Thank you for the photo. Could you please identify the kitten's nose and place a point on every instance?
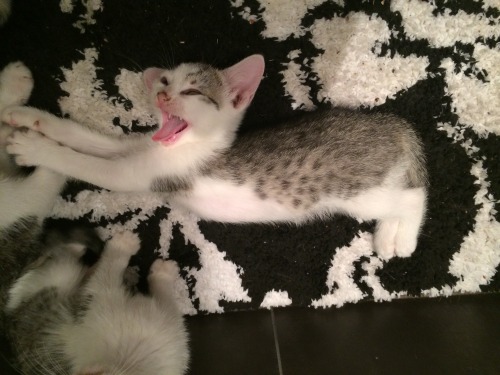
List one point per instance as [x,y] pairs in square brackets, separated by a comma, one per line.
[162,97]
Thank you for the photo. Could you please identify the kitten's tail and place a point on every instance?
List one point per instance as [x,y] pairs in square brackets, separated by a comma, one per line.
[4,10]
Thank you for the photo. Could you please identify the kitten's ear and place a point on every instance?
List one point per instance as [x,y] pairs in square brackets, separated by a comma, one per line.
[243,79]
[150,75]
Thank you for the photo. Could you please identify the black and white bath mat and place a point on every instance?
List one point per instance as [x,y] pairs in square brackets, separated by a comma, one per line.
[435,63]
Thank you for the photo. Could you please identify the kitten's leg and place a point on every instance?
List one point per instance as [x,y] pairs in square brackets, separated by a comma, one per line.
[30,196]
[120,174]
[63,273]
[161,279]
[60,264]
[410,222]
[114,260]
[64,131]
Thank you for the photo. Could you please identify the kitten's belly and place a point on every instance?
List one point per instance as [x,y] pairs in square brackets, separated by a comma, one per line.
[218,200]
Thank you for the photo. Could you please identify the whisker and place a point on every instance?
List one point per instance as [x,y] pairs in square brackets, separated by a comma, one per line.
[12,363]
[135,63]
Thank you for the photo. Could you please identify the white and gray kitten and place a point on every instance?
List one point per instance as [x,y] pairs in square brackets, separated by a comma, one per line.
[64,310]
[330,161]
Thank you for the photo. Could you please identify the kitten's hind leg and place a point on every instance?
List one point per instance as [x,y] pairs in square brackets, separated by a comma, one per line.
[115,258]
[161,279]
[63,273]
[64,131]
[62,264]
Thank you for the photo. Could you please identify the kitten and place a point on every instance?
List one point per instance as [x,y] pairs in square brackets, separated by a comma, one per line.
[333,160]
[62,316]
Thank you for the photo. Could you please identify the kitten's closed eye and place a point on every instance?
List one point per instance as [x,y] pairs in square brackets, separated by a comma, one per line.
[191,92]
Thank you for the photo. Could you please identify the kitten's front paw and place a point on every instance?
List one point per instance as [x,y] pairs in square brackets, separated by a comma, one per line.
[394,238]
[124,242]
[26,117]
[16,83]
[29,148]
[167,269]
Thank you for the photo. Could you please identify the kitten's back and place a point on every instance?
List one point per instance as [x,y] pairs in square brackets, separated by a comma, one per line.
[330,151]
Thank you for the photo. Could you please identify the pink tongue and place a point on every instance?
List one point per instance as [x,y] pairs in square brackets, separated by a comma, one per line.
[170,128]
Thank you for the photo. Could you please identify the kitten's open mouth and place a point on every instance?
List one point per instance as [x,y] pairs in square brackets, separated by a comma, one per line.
[171,128]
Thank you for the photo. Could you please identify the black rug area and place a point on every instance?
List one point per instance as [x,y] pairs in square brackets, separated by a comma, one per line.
[375,56]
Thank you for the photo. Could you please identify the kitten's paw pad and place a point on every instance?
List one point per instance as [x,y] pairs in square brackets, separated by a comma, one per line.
[26,117]
[28,148]
[16,83]
[164,268]
[124,242]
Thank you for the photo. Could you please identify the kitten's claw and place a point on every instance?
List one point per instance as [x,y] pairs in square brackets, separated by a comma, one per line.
[167,269]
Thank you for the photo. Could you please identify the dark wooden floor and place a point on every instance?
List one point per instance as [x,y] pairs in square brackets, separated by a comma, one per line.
[458,335]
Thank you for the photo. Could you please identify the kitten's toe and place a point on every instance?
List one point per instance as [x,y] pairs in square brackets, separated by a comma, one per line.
[406,238]
[405,246]
[384,238]
[385,251]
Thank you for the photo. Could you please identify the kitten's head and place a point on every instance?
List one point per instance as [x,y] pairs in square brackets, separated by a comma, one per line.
[196,102]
